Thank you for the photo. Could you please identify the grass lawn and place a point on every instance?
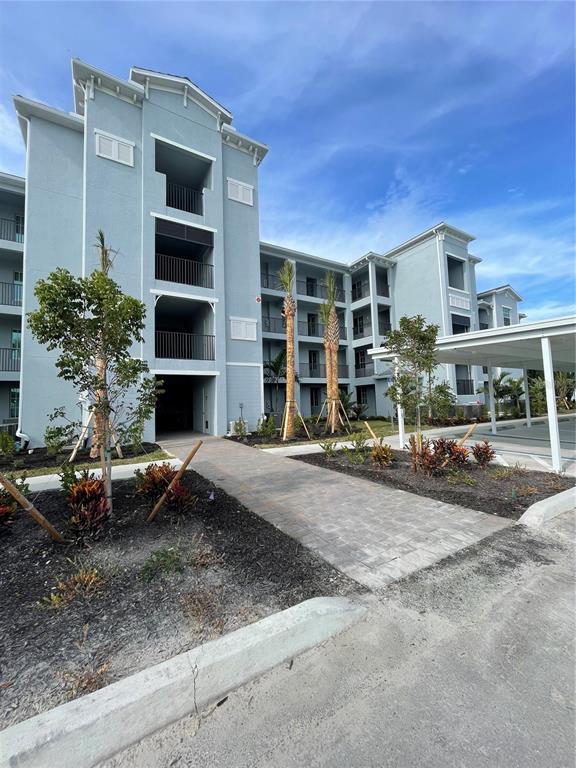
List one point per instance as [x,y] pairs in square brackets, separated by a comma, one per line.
[379,427]
[52,470]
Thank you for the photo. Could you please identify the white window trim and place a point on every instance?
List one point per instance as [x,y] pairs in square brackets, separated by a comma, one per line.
[176,144]
[186,222]
[119,140]
[242,185]
[463,260]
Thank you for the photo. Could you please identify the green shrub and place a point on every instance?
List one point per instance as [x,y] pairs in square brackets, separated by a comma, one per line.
[329,448]
[8,505]
[167,560]
[382,454]
[240,430]
[7,444]
[459,477]
[266,427]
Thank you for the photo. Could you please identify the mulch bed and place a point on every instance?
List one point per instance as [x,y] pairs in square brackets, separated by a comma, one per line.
[507,495]
[317,432]
[39,457]
[235,569]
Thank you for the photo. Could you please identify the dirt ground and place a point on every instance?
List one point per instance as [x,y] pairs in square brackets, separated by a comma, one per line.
[502,491]
[159,589]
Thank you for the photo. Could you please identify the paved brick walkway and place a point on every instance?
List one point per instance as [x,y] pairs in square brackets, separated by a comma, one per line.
[372,533]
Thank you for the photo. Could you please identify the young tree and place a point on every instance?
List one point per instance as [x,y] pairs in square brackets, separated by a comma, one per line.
[516,393]
[564,384]
[274,370]
[94,326]
[501,388]
[286,276]
[414,347]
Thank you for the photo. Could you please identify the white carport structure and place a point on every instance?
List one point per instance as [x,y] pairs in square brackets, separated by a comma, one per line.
[548,346]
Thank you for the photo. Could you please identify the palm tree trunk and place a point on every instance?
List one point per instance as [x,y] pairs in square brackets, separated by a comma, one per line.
[290,377]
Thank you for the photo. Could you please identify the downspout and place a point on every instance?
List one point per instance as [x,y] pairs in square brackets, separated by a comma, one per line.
[25,438]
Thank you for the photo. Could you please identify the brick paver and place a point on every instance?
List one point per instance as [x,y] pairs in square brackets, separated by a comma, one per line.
[372,533]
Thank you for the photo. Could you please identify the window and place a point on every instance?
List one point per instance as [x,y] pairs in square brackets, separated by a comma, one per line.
[243,329]
[113,148]
[14,402]
[362,395]
[240,192]
[315,397]
[507,315]
[460,324]
[456,273]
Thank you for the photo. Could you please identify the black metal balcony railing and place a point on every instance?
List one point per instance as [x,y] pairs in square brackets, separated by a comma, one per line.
[364,370]
[318,371]
[360,332]
[274,324]
[464,387]
[484,326]
[184,271]
[316,329]
[383,289]
[315,289]
[177,345]
[9,231]
[360,291]
[9,359]
[270,281]
[384,328]
[11,294]
[183,198]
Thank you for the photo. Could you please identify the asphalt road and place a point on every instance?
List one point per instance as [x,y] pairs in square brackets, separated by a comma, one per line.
[469,663]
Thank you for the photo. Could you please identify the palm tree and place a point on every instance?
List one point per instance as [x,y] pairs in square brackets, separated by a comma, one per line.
[331,346]
[274,370]
[564,384]
[515,393]
[286,277]
[501,389]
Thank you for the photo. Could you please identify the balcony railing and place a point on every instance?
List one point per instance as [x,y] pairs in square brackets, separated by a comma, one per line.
[307,328]
[360,291]
[9,359]
[270,281]
[363,332]
[11,294]
[183,198]
[9,231]
[184,271]
[384,328]
[383,289]
[315,289]
[177,345]
[484,326]
[308,371]
[364,370]
[274,324]
[464,387]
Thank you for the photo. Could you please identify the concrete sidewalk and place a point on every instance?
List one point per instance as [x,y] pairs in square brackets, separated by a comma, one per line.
[372,533]
[470,663]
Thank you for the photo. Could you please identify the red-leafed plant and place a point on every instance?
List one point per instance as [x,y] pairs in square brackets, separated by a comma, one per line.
[483,453]
[6,516]
[88,506]
[155,479]
[458,455]
[179,499]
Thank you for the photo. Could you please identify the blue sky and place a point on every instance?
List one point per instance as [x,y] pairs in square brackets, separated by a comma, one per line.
[382,118]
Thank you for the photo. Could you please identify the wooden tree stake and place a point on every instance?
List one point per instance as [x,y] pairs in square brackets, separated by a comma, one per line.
[27,506]
[175,479]
[369,428]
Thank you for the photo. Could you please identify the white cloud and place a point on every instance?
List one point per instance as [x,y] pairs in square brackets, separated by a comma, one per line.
[546,310]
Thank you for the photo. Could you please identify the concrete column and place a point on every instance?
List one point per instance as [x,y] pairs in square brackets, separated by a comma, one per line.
[553,430]
[491,401]
[373,303]
[527,399]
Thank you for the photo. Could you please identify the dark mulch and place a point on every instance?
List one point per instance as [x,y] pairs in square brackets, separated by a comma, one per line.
[236,568]
[39,457]
[316,432]
[491,492]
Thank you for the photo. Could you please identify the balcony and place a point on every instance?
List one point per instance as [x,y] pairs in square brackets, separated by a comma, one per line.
[9,359]
[364,370]
[364,331]
[383,289]
[12,230]
[273,325]
[360,291]
[11,294]
[176,345]
[316,290]
[464,387]
[318,371]
[384,328]
[184,271]
[270,281]
[316,330]
[184,198]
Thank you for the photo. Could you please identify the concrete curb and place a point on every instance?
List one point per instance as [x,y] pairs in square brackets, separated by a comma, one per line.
[119,472]
[542,511]
[84,732]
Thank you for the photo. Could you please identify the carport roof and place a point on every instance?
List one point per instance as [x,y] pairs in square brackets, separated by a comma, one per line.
[513,346]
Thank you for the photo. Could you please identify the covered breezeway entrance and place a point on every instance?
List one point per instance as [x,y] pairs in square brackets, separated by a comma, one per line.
[187,404]
[547,346]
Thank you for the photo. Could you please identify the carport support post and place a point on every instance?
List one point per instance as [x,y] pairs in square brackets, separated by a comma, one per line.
[553,429]
[491,400]
[527,400]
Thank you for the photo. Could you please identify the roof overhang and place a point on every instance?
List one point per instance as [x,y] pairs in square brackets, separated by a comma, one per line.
[501,289]
[146,78]
[238,140]
[11,183]
[26,108]
[512,346]
[280,252]
[85,76]
[377,258]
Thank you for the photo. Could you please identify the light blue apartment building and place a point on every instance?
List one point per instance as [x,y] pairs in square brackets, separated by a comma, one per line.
[156,164]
